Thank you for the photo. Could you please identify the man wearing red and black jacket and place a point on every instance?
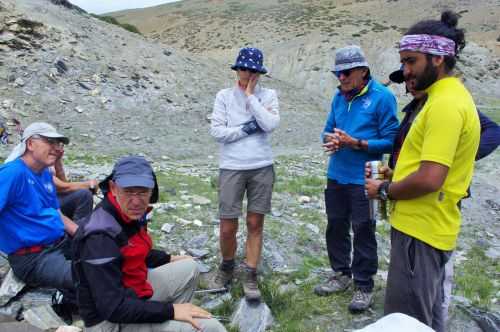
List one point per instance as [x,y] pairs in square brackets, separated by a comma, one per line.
[122,283]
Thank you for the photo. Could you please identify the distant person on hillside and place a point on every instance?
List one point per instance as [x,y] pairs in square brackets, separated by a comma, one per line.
[360,127]
[433,171]
[242,120]
[488,142]
[123,283]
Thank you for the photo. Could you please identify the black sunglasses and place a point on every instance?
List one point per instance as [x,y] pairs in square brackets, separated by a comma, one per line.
[253,71]
[345,72]
[51,141]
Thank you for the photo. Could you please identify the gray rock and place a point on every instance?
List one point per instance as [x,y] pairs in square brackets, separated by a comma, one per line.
[38,297]
[198,253]
[202,267]
[200,200]
[461,300]
[493,253]
[68,329]
[313,228]
[250,317]
[9,313]
[4,266]
[217,302]
[84,85]
[19,82]
[488,321]
[43,317]
[167,228]
[197,241]
[18,327]
[61,67]
[11,286]
[287,288]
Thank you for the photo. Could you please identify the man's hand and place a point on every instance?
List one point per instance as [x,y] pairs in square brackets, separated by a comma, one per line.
[69,225]
[371,188]
[93,186]
[252,82]
[384,170]
[345,139]
[186,312]
[175,258]
[331,142]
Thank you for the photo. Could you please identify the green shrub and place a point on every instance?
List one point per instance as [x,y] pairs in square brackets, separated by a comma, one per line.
[112,20]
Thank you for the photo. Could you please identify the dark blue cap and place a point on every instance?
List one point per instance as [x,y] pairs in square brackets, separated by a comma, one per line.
[133,171]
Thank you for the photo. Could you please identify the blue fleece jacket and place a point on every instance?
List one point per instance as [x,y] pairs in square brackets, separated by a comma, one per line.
[370,116]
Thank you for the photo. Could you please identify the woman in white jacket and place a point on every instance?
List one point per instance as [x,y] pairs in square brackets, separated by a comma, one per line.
[242,120]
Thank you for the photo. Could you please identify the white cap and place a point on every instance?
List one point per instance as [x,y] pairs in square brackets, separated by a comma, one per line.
[37,128]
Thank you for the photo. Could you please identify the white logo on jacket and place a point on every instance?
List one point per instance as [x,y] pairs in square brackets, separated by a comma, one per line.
[49,187]
[366,103]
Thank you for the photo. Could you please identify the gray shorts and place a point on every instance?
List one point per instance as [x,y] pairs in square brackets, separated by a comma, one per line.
[258,185]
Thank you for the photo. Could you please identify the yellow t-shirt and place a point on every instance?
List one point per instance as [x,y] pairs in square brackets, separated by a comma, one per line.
[445,131]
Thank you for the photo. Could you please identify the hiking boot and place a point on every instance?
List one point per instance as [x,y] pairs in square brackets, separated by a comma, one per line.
[360,301]
[221,279]
[63,309]
[336,283]
[250,288]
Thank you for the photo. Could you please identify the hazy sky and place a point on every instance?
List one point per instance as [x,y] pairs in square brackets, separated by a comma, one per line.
[105,6]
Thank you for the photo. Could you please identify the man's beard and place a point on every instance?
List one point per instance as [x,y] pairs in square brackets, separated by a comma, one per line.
[428,76]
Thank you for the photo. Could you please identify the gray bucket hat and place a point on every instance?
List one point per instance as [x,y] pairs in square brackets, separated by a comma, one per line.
[349,57]
[36,128]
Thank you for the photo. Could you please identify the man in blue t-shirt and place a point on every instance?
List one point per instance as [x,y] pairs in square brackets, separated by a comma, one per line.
[32,227]
[360,127]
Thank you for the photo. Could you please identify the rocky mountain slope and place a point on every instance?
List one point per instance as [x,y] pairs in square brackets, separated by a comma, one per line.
[300,37]
[112,91]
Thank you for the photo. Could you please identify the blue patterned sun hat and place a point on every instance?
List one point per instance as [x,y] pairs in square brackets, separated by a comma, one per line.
[250,58]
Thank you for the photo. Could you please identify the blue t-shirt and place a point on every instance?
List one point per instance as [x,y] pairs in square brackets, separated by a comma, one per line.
[29,213]
[370,116]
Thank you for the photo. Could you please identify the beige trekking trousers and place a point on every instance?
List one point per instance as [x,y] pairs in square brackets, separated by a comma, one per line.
[173,282]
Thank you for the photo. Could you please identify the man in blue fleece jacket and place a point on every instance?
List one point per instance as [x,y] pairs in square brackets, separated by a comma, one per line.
[360,127]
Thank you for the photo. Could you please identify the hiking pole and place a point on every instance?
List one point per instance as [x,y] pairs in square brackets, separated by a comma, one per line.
[213,290]
[222,318]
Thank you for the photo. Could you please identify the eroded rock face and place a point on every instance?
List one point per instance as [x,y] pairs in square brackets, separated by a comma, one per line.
[19,33]
[112,91]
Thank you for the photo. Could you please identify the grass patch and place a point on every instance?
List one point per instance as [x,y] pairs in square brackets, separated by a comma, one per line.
[114,21]
[87,159]
[304,185]
[173,183]
[474,278]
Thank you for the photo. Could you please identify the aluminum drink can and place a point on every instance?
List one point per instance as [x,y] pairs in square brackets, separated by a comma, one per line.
[375,174]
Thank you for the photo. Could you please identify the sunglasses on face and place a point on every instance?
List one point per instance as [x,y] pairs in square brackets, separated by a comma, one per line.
[345,72]
[253,71]
[51,141]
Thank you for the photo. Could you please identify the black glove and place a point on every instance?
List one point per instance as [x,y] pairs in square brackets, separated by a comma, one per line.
[251,127]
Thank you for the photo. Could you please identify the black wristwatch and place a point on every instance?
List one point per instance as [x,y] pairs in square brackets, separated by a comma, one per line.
[383,190]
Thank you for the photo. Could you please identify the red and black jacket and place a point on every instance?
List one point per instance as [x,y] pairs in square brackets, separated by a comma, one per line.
[111,258]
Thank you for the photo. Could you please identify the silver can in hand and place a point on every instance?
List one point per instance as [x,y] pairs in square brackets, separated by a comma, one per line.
[375,166]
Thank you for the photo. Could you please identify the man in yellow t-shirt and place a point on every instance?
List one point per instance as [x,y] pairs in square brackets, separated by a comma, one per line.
[432,174]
